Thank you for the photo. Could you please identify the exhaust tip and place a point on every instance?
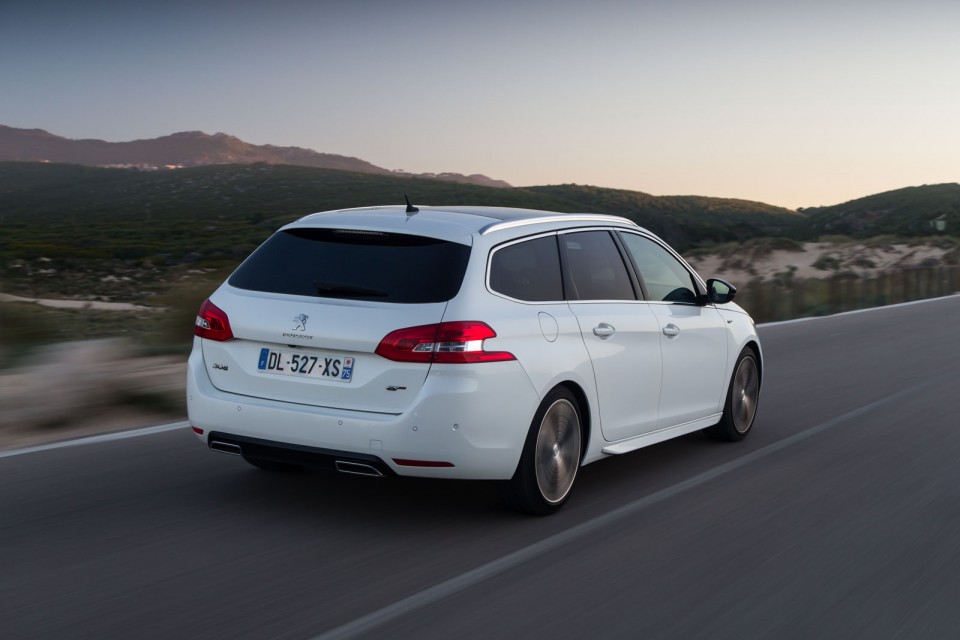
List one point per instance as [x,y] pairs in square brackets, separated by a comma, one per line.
[357,468]
[226,447]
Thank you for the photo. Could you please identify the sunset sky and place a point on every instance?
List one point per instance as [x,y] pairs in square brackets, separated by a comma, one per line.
[791,103]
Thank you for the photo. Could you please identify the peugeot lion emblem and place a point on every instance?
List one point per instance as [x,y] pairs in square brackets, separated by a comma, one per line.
[301,321]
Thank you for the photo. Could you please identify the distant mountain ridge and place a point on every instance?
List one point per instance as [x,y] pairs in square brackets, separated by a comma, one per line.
[55,192]
[190,149]
[684,220]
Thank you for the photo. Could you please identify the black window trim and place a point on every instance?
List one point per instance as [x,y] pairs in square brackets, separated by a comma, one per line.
[639,286]
[636,279]
[569,288]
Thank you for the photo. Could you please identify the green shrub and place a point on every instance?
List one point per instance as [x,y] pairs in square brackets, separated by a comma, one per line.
[835,239]
[827,262]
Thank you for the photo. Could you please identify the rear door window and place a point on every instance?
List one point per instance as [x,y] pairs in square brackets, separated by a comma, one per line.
[355,264]
[595,267]
[528,270]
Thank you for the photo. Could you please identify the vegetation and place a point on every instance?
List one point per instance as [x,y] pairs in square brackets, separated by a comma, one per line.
[137,236]
[912,211]
[128,234]
[168,238]
[684,221]
[787,297]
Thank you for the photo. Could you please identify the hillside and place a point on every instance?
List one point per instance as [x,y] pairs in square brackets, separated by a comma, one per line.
[187,149]
[63,221]
[904,212]
[59,193]
[684,221]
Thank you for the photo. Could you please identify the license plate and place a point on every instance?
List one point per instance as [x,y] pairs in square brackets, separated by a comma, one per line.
[320,366]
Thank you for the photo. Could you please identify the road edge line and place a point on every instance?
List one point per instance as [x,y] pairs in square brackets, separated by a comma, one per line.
[855,311]
[103,437]
[494,568]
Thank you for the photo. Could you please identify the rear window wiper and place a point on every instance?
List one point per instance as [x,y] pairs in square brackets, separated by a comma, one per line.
[336,289]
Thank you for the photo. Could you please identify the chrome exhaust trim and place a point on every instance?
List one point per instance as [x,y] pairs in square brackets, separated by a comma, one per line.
[357,468]
[226,447]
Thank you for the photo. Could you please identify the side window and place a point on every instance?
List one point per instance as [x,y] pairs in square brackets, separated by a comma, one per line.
[597,271]
[528,270]
[665,277]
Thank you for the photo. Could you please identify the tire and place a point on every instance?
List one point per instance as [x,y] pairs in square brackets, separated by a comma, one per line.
[743,396]
[270,465]
[551,457]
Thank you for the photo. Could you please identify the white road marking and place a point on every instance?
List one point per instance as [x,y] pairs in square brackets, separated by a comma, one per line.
[855,311]
[106,437]
[464,581]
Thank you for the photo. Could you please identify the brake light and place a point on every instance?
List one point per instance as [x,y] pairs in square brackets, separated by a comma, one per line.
[446,343]
[212,323]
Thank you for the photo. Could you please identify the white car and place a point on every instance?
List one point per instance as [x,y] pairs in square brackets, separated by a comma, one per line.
[467,342]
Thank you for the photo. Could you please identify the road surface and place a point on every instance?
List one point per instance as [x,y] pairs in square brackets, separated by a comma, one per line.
[838,518]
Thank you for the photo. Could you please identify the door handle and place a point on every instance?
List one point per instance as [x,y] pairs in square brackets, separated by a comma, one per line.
[604,330]
[671,330]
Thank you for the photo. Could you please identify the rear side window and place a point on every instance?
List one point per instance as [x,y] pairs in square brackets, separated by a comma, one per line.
[597,271]
[360,265]
[528,270]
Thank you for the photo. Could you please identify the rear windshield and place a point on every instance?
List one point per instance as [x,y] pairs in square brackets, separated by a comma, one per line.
[360,265]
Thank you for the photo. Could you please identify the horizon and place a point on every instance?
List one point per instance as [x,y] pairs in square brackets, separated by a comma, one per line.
[795,106]
[513,186]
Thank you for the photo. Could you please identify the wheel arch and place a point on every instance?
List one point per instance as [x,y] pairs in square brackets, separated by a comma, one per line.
[754,346]
[584,405]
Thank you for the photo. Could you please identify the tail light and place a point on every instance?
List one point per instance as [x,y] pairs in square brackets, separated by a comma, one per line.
[212,323]
[447,343]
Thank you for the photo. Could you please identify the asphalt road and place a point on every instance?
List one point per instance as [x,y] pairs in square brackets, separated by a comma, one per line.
[838,518]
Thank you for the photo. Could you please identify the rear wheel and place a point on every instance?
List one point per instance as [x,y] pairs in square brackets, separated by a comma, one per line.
[743,396]
[551,456]
[271,465]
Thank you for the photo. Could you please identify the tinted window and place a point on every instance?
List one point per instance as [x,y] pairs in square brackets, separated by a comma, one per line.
[364,265]
[665,277]
[596,269]
[528,270]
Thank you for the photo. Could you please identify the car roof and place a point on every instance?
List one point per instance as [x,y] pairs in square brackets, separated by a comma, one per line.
[456,223]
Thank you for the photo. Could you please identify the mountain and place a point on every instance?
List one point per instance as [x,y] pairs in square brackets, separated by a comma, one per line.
[684,221]
[911,211]
[189,149]
[48,193]
[68,229]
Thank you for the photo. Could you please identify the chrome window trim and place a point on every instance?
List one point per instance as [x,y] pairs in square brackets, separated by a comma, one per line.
[614,301]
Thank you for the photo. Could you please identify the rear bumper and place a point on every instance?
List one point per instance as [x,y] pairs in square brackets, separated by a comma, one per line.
[474,417]
[313,457]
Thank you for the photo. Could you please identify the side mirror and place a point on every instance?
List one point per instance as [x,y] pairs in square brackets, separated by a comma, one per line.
[720,291]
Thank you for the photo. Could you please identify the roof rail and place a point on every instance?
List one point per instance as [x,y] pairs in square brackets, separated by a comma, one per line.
[574,217]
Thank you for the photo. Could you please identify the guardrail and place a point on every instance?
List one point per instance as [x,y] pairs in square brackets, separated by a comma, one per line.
[786,297]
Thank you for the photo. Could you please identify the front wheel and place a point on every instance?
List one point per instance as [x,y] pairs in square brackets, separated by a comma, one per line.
[743,395]
[551,456]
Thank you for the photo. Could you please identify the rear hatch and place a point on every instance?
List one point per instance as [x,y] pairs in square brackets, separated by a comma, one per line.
[308,309]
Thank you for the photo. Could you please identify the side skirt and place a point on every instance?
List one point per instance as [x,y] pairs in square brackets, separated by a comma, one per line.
[645,440]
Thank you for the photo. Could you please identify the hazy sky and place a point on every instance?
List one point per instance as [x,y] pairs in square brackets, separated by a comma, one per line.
[792,103]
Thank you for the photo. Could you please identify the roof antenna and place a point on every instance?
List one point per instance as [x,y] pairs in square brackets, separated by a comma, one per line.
[410,207]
